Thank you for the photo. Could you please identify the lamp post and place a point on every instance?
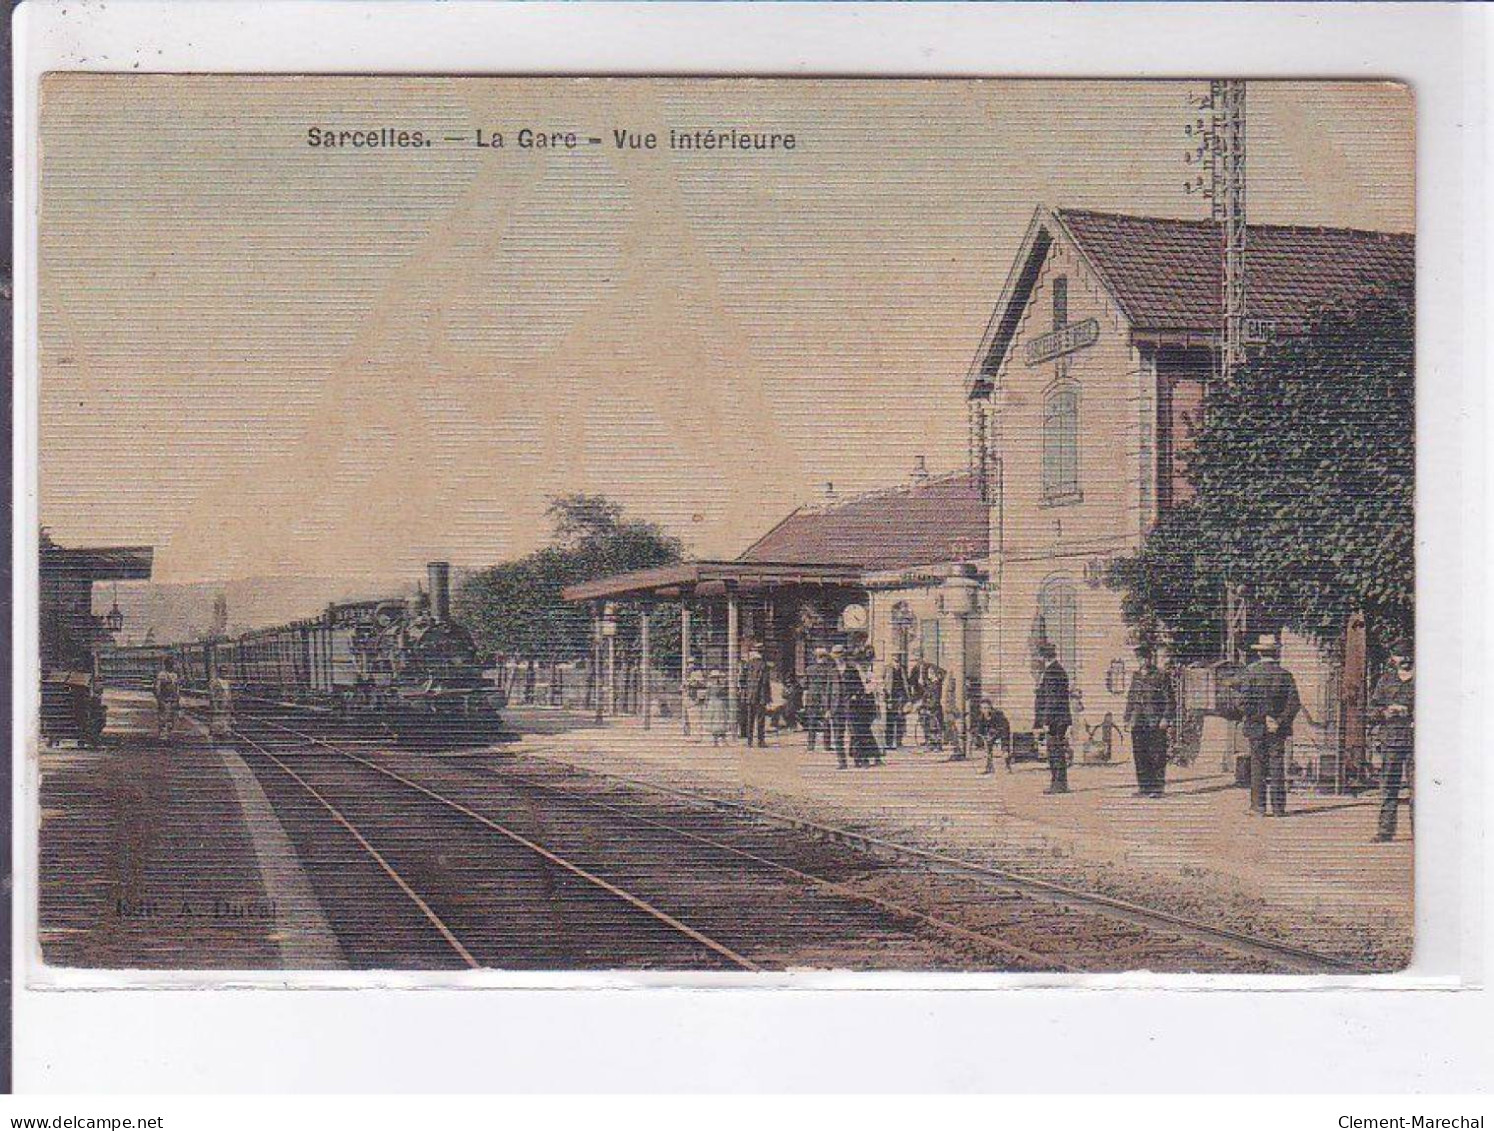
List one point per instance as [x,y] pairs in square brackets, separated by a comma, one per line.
[964,603]
[114,618]
[609,640]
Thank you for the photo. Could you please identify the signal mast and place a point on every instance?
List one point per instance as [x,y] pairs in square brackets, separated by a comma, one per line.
[1217,133]
[1218,136]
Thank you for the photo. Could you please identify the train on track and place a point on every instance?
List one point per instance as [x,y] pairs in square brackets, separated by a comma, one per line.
[402,667]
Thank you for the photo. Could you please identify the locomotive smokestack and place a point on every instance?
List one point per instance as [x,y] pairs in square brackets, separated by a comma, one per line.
[438,574]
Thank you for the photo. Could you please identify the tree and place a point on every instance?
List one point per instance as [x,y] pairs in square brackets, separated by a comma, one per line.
[580,518]
[516,608]
[1171,592]
[1304,478]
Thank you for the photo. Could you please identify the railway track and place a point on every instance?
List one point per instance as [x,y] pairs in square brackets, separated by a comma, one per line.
[1154,931]
[337,815]
[464,951]
[1297,959]
[984,942]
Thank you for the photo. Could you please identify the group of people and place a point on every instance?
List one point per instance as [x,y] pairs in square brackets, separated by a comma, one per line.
[924,692]
[1268,705]
[837,709]
[837,704]
[167,691]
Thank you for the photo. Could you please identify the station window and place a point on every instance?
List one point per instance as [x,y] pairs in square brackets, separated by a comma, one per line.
[1060,302]
[1061,444]
[928,647]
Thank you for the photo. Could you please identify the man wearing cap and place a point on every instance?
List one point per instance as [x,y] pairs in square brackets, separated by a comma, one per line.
[1269,703]
[931,681]
[1393,706]
[1148,714]
[990,730]
[1052,715]
[753,692]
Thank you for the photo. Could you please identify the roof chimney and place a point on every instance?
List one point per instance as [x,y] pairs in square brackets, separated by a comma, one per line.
[830,495]
[920,471]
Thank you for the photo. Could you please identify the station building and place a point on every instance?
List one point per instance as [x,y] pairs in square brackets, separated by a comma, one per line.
[1083,399]
[70,635]
[1081,402]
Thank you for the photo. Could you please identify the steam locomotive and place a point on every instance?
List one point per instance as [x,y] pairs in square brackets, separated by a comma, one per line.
[399,666]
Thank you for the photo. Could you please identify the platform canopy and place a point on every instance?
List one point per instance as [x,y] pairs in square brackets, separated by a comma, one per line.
[709,579]
[99,563]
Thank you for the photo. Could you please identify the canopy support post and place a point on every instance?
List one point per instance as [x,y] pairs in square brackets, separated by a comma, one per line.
[685,665]
[644,682]
[733,647]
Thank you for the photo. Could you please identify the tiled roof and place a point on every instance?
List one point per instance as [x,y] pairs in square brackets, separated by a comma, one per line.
[941,520]
[1167,274]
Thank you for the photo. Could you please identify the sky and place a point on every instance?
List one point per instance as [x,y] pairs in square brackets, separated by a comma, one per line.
[269,359]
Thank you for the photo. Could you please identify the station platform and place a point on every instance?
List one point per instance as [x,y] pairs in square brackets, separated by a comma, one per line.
[1313,876]
[166,855]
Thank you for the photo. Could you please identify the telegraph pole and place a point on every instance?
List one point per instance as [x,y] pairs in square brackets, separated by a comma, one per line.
[1232,95]
[1218,136]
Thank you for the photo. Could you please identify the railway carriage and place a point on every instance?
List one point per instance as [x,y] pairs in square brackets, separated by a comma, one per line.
[397,665]
[133,667]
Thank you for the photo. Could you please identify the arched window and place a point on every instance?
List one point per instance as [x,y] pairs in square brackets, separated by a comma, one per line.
[1058,606]
[1061,444]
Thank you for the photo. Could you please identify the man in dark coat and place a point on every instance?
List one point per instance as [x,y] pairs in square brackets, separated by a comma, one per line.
[1393,706]
[990,730]
[930,683]
[816,687]
[1149,714]
[1269,704]
[1051,714]
[753,693]
[841,686]
[895,702]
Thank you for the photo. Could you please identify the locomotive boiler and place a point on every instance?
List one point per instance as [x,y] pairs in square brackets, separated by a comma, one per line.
[400,666]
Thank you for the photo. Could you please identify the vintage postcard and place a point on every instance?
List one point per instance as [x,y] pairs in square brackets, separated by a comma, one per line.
[563,524]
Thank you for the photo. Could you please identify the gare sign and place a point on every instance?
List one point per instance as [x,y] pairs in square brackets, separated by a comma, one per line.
[1066,339]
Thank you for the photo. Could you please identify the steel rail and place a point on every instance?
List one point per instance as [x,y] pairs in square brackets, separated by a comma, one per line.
[393,874]
[1298,958]
[591,878]
[798,873]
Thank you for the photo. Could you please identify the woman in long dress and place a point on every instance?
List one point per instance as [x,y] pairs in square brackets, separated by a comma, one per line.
[715,719]
[863,708]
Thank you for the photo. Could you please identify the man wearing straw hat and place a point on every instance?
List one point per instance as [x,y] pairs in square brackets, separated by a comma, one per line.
[753,694]
[1270,703]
